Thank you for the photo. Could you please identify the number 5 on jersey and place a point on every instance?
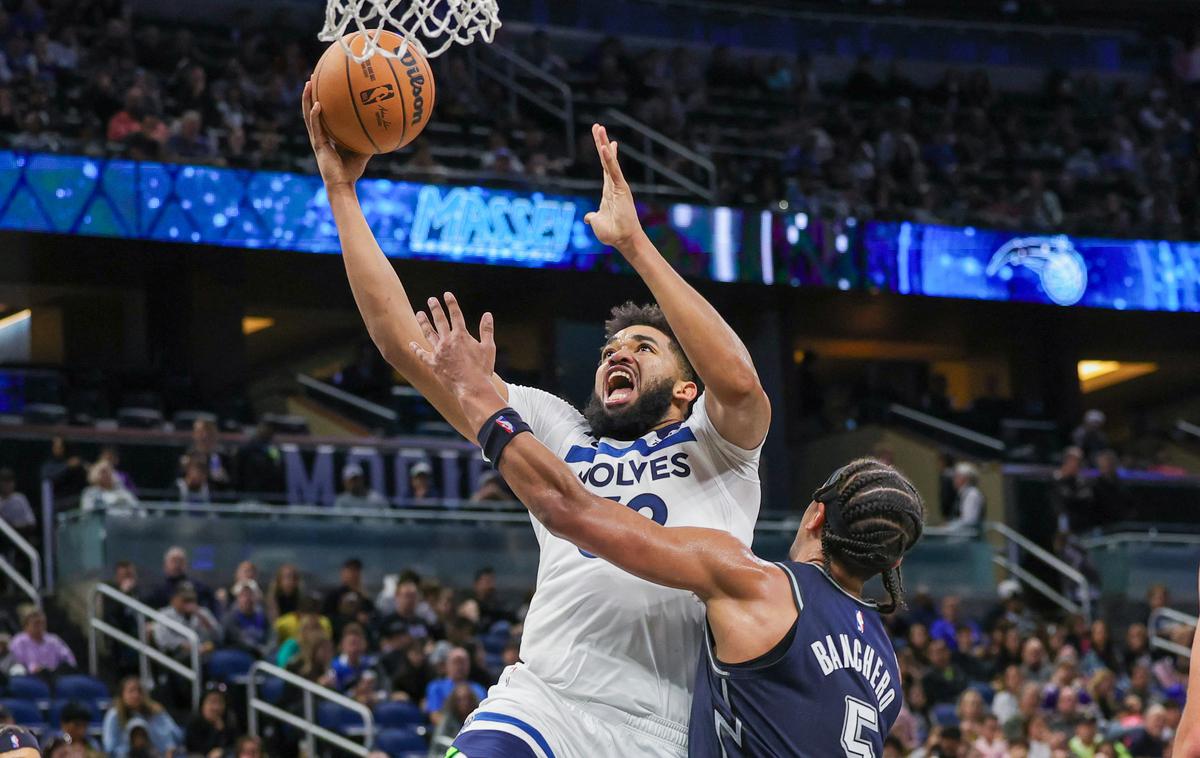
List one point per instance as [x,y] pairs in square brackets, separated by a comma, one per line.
[640,503]
[859,716]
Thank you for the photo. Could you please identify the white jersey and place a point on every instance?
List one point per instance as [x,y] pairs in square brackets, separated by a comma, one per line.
[601,636]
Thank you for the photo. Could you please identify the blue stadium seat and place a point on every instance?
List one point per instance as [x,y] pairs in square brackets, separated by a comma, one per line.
[271,690]
[497,637]
[25,713]
[230,665]
[85,689]
[56,709]
[401,743]
[339,719]
[29,688]
[944,714]
[985,690]
[397,714]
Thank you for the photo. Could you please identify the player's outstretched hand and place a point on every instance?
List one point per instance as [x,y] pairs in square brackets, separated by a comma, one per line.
[462,364]
[337,165]
[616,222]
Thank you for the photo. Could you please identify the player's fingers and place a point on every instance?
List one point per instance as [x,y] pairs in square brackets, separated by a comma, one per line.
[318,127]
[612,166]
[587,219]
[426,327]
[603,130]
[487,331]
[456,316]
[439,317]
[422,354]
[306,103]
[596,137]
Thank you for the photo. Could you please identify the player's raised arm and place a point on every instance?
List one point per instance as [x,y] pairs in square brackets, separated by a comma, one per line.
[378,292]
[736,402]
[1187,739]
[709,562]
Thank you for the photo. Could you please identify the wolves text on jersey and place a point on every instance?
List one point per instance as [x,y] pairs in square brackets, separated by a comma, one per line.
[864,659]
[636,471]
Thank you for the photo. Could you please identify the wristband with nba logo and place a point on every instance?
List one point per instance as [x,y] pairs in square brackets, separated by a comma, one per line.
[500,429]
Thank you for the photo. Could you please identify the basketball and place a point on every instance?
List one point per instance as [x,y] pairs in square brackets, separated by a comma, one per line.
[379,105]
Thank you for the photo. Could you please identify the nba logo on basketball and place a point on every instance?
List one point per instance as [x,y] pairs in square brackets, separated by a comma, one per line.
[377,94]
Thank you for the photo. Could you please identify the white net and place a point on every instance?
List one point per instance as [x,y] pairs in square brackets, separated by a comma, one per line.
[434,25]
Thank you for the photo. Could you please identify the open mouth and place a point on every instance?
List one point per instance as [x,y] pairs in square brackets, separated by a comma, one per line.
[619,386]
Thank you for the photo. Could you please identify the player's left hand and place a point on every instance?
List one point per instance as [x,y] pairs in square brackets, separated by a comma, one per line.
[460,362]
[616,222]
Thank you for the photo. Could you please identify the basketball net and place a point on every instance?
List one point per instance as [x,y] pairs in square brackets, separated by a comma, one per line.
[433,25]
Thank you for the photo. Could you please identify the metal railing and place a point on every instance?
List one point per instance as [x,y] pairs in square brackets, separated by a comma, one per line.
[1009,560]
[511,68]
[1188,428]
[1165,643]
[652,165]
[953,431]
[31,585]
[308,722]
[146,652]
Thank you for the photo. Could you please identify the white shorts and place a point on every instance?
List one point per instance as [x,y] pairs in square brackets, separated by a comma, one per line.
[521,706]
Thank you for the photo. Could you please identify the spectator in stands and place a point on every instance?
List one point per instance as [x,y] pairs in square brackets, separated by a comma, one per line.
[1089,436]
[1071,495]
[185,608]
[356,493]
[350,580]
[314,663]
[1113,501]
[124,618]
[64,470]
[404,619]
[492,489]
[458,706]
[211,731]
[246,571]
[110,454]
[1034,666]
[409,675]
[75,720]
[458,666]
[945,628]
[420,483]
[193,485]
[486,599]
[944,681]
[1011,610]
[1006,701]
[289,625]
[132,707]
[245,624]
[248,747]
[190,143]
[353,659]
[175,574]
[1153,736]
[104,492]
[969,504]
[260,462]
[990,743]
[284,592]
[1101,651]
[14,507]
[369,375]
[206,448]
[38,651]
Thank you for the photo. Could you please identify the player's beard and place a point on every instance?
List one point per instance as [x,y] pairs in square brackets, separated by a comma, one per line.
[635,419]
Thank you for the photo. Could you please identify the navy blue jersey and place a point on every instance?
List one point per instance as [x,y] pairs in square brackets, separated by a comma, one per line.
[831,687]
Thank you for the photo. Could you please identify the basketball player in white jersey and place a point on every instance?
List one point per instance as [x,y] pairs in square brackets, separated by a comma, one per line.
[674,430]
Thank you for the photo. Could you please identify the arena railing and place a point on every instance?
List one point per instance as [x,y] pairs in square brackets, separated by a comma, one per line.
[308,722]
[146,652]
[644,155]
[1188,428]
[1173,617]
[1009,558]
[31,585]
[512,67]
[952,433]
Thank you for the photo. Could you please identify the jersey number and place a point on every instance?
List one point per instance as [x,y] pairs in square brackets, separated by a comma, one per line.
[859,716]
[644,502]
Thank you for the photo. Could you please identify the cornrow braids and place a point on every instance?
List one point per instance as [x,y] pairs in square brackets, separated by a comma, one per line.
[874,515]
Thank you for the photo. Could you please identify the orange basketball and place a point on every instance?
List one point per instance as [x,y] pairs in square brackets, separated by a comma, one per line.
[376,106]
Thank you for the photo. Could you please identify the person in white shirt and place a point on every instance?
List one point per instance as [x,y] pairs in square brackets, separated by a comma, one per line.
[674,430]
[969,504]
[106,492]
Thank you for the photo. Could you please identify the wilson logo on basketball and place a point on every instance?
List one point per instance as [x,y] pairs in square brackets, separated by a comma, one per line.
[417,81]
[377,94]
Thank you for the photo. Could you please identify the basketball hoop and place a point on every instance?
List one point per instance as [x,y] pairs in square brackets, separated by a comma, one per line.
[433,25]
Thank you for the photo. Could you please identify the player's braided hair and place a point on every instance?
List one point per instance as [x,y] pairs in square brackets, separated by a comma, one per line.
[874,515]
[631,314]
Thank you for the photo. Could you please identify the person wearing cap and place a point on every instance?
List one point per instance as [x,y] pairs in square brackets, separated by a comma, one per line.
[245,625]
[1090,436]
[186,609]
[18,742]
[420,483]
[969,504]
[36,649]
[75,719]
[491,489]
[356,493]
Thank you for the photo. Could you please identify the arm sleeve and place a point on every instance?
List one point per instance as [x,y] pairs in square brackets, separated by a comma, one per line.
[735,459]
[553,420]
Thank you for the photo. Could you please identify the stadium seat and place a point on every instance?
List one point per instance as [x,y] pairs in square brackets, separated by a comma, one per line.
[944,714]
[25,713]
[56,708]
[85,689]
[29,688]
[339,719]
[271,689]
[139,418]
[230,665]
[985,691]
[398,714]
[46,414]
[401,743]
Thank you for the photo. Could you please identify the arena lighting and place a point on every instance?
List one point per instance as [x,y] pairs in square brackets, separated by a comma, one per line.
[253,324]
[14,319]
[1096,375]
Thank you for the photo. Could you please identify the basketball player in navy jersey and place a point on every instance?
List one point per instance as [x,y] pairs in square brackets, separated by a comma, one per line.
[797,663]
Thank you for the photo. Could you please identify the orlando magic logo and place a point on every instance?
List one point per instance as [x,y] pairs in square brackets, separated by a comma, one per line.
[1060,269]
